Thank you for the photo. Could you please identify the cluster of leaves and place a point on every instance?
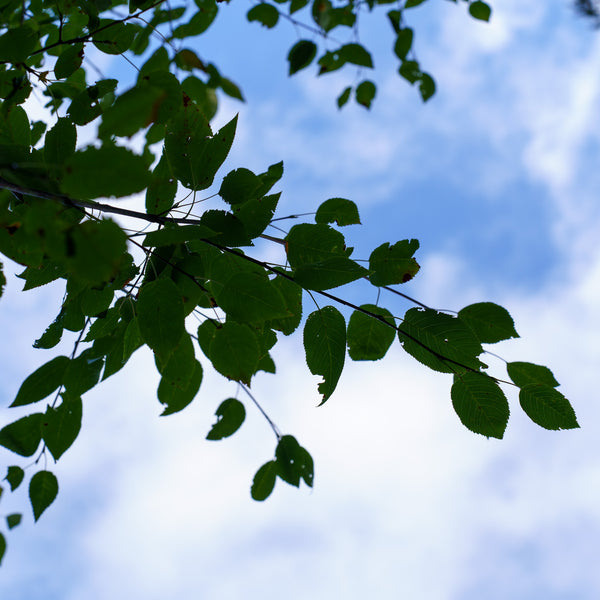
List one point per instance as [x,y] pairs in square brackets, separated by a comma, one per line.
[126,288]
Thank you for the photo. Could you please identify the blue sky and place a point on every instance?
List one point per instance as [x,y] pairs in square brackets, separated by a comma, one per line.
[496,176]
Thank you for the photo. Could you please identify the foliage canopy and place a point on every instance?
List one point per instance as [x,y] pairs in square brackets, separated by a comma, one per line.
[190,285]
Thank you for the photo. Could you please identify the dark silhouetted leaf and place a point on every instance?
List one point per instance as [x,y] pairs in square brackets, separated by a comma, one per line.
[23,436]
[301,54]
[160,316]
[393,264]
[14,476]
[42,382]
[490,322]
[344,97]
[403,43]
[43,489]
[103,172]
[13,520]
[369,338]
[329,273]
[264,13]
[365,93]
[230,416]
[60,426]
[239,186]
[524,373]
[339,211]
[325,347]
[235,351]
[480,10]
[439,341]
[308,244]
[426,86]
[547,407]
[480,404]
[264,481]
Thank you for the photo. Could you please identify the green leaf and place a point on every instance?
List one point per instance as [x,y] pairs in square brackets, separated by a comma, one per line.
[203,95]
[42,382]
[114,37]
[97,251]
[43,489]
[490,323]
[480,404]
[292,295]
[160,316]
[344,97]
[296,5]
[439,341]
[256,214]
[239,186]
[60,142]
[14,476]
[194,155]
[480,10]
[410,70]
[13,520]
[200,22]
[524,373]
[547,407]
[235,351]
[178,369]
[264,13]
[228,229]
[176,234]
[23,436]
[109,171]
[308,244]
[69,61]
[133,110]
[426,87]
[2,280]
[329,273]
[83,373]
[357,55]
[403,44]
[368,337]
[3,544]
[250,297]
[264,481]
[389,265]
[339,211]
[61,425]
[176,392]
[365,93]
[51,336]
[160,193]
[230,416]
[412,3]
[301,54]
[325,347]
[293,462]
[17,44]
